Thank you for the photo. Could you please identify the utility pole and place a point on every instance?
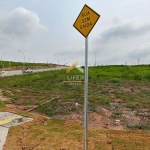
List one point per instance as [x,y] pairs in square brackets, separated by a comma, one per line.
[1,59]
[24,59]
[58,60]
[95,57]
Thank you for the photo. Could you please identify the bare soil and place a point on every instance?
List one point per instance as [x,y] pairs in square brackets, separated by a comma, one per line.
[116,117]
[102,119]
[2,97]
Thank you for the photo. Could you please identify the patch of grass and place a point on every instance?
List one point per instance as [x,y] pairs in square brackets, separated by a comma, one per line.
[139,127]
[2,104]
[107,84]
[138,77]
[103,100]
[48,108]
[116,115]
[132,106]
[66,112]
[115,80]
[67,134]
[92,107]
[9,64]
[27,102]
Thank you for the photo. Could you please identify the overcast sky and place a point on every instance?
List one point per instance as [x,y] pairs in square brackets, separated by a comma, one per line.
[43,30]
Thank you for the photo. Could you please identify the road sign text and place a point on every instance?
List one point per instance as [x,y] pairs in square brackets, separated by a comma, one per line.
[86,20]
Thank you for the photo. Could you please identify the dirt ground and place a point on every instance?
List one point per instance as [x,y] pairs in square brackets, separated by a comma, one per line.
[103,119]
[106,131]
[2,98]
[114,118]
[51,134]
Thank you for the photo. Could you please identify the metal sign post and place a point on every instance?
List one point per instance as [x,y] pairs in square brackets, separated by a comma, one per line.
[84,24]
[86,96]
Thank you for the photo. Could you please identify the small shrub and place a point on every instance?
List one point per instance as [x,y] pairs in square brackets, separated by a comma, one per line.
[147,76]
[98,75]
[66,112]
[36,77]
[115,80]
[114,116]
[47,108]
[15,85]
[139,126]
[138,77]
[92,107]
[74,108]
[118,113]
[132,106]
[103,101]
[1,104]
[27,102]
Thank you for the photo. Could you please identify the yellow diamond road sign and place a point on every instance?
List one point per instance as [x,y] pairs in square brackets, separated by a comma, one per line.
[86,20]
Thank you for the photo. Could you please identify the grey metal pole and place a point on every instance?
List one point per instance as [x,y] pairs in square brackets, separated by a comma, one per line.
[58,60]
[24,58]
[1,59]
[86,97]
[71,61]
[95,57]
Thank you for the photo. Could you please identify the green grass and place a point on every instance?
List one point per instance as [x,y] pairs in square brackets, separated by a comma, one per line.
[1,104]
[132,106]
[9,64]
[128,86]
[69,134]
[140,72]
[106,84]
[139,127]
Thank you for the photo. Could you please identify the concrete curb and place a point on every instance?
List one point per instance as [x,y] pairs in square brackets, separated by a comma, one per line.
[7,120]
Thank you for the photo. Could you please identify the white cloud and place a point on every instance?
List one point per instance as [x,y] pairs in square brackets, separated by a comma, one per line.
[145,46]
[123,41]
[125,38]
[21,29]
[124,29]
[20,23]
[141,51]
